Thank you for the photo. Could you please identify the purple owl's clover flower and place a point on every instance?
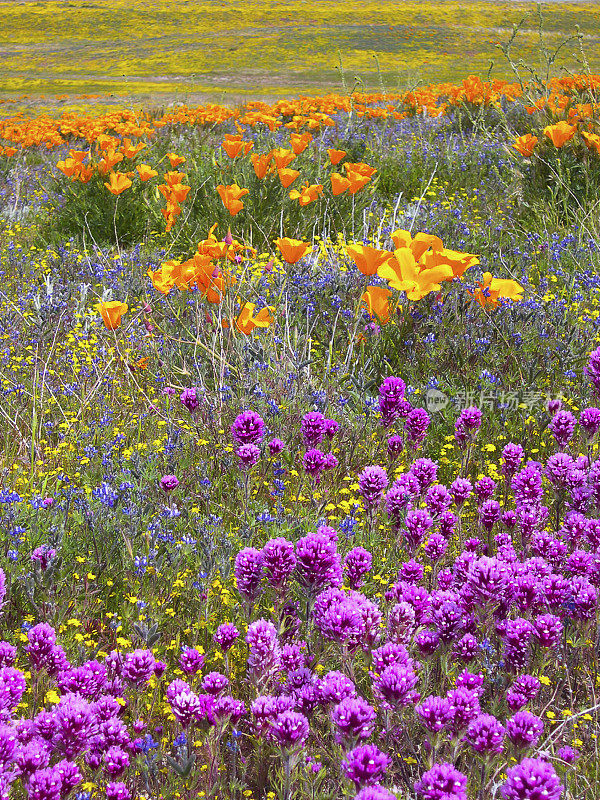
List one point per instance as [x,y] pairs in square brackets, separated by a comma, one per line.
[264,658]
[290,729]
[318,563]
[372,482]
[391,396]
[563,426]
[249,455]
[592,370]
[356,565]
[415,427]
[225,636]
[313,427]
[442,782]
[365,765]
[589,419]
[532,779]
[189,398]
[314,462]
[248,571]
[354,719]
[279,561]
[169,482]
[248,428]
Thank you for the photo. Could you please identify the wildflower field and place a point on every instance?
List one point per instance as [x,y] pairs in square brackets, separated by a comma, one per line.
[300,476]
[187,50]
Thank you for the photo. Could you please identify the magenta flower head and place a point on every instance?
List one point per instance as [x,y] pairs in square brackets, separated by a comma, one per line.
[395,446]
[442,782]
[485,734]
[589,420]
[318,563]
[248,570]
[461,489]
[168,483]
[532,779]
[365,765]
[225,636]
[248,428]
[424,470]
[276,446]
[356,565]
[395,684]
[372,482]
[592,370]
[264,658]
[189,398]
[354,719]
[470,419]
[249,455]
[391,395]
[279,561]
[435,713]
[331,428]
[117,791]
[568,754]
[290,729]
[43,556]
[335,687]
[524,729]
[375,792]
[191,660]
[415,426]
[314,462]
[512,455]
[138,667]
[48,502]
[562,427]
[313,428]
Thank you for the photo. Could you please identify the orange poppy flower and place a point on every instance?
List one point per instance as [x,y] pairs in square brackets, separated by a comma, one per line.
[118,183]
[230,195]
[179,192]
[525,145]
[419,244]
[362,169]
[492,290]
[560,133]
[261,164]
[287,176]
[282,157]
[367,259]
[356,181]
[307,194]
[175,160]
[335,156]
[146,172]
[404,273]
[376,300]
[109,161]
[85,173]
[69,167]
[339,183]
[246,321]
[78,155]
[300,142]
[10,151]
[112,313]
[292,250]
[173,178]
[131,151]
[233,147]
[592,140]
